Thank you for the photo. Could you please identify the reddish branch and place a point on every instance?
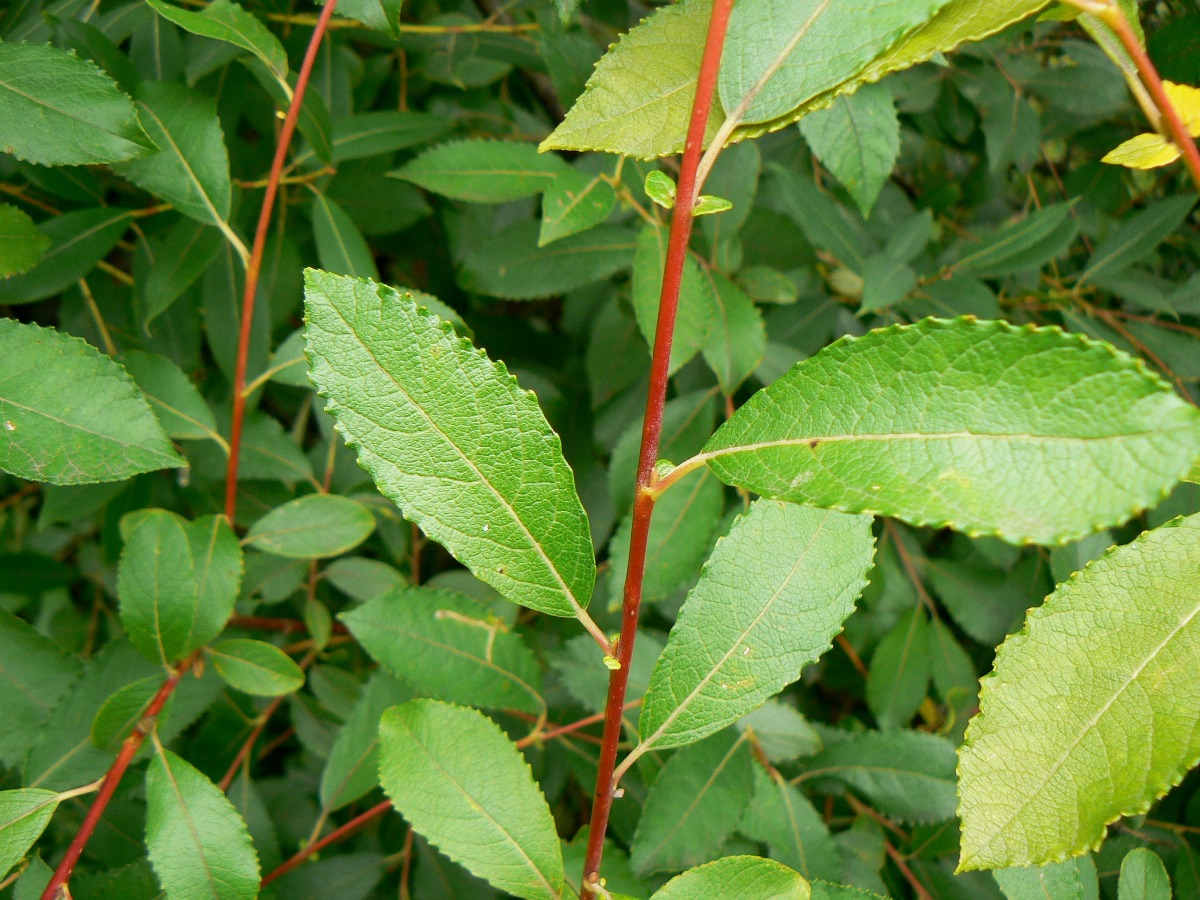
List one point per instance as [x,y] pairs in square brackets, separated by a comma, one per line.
[332,838]
[57,888]
[254,267]
[1114,17]
[643,505]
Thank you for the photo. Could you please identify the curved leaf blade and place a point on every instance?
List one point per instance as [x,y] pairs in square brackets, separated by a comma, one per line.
[744,877]
[22,243]
[225,21]
[1105,663]
[449,647]
[398,379]
[769,601]
[312,527]
[464,786]
[198,844]
[24,815]
[59,110]
[70,415]
[1028,434]
[255,667]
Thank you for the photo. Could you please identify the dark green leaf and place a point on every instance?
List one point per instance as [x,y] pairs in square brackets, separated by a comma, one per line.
[78,240]
[255,667]
[59,110]
[484,171]
[311,527]
[21,243]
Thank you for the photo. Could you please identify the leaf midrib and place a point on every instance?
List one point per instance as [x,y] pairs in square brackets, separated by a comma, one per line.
[500,498]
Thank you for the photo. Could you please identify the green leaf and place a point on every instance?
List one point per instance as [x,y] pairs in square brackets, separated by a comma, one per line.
[174,264]
[177,582]
[255,667]
[694,805]
[769,601]
[660,187]
[384,131]
[59,110]
[464,786]
[465,452]
[1064,692]
[638,100]
[782,733]
[122,711]
[906,775]
[1057,881]
[744,877]
[512,266]
[1138,235]
[156,583]
[1143,877]
[1037,238]
[198,843]
[900,671]
[737,338]
[70,415]
[574,202]
[24,815]
[782,818]
[78,240]
[708,205]
[352,769]
[768,71]
[382,15]
[225,21]
[341,247]
[982,426]
[21,243]
[450,648]
[696,303]
[858,139]
[681,534]
[481,171]
[35,674]
[174,399]
[362,579]
[312,527]
[191,168]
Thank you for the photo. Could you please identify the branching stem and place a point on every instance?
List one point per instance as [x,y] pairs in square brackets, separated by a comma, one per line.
[643,505]
[254,265]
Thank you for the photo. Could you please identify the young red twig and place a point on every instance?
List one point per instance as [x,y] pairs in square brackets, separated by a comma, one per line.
[1114,17]
[256,257]
[332,838]
[249,743]
[57,888]
[643,505]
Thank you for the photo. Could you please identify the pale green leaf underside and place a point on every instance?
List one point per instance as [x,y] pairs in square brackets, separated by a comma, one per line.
[781,54]
[638,100]
[744,877]
[57,109]
[23,817]
[1026,433]
[70,415]
[465,787]
[449,435]
[1090,712]
[769,601]
[198,844]
[256,667]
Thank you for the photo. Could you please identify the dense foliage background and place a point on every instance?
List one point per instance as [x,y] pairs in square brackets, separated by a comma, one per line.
[550,263]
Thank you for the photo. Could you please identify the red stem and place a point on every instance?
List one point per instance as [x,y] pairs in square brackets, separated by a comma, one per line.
[1115,19]
[643,504]
[332,838]
[57,888]
[270,623]
[256,256]
[248,744]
